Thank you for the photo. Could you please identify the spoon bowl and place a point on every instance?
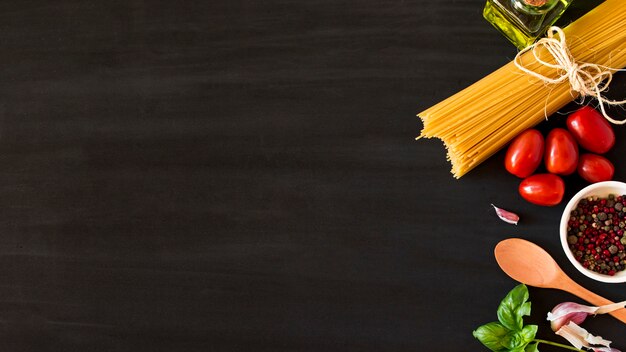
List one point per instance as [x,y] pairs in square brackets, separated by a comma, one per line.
[530,264]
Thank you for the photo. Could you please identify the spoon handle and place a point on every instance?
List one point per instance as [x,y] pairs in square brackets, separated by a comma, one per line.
[581,292]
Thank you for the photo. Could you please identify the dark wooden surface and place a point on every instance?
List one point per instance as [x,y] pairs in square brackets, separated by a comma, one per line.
[242,176]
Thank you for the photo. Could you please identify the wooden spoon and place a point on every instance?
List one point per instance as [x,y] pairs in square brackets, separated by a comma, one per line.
[529,264]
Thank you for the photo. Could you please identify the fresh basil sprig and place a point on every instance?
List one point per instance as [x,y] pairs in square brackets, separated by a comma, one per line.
[509,333]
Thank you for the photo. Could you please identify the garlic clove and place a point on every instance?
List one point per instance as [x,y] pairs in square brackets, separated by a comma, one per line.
[577,313]
[579,337]
[506,215]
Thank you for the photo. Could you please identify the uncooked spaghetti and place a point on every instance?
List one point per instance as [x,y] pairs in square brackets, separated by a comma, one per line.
[481,119]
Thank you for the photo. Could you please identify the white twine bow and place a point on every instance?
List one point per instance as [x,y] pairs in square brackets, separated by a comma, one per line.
[585,78]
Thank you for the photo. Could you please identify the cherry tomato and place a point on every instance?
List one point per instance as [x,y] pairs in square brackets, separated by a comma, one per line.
[561,152]
[524,154]
[595,168]
[542,189]
[591,130]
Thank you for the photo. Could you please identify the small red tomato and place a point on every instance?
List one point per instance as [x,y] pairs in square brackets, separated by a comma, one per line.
[542,189]
[524,153]
[595,168]
[591,130]
[561,152]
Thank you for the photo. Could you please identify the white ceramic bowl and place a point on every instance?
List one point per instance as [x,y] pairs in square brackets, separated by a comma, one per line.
[600,189]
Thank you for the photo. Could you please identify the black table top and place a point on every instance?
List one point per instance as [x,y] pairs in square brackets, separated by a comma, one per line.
[243,176]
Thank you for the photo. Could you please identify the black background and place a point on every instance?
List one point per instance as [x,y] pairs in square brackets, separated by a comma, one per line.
[242,175]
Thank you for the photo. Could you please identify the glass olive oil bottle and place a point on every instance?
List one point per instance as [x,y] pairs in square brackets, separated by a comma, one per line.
[523,21]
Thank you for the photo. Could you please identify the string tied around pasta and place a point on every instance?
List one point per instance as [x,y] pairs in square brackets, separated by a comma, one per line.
[587,79]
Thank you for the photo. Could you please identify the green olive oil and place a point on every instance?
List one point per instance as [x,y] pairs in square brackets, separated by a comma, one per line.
[523,21]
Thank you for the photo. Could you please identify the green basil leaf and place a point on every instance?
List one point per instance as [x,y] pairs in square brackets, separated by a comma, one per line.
[524,309]
[532,347]
[528,333]
[513,307]
[518,349]
[514,340]
[491,335]
[518,340]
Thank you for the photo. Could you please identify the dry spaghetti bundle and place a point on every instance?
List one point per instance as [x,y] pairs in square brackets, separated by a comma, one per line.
[478,121]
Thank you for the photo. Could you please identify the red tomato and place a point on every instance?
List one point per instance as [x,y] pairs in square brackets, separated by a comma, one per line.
[595,168]
[524,153]
[591,130]
[542,189]
[561,152]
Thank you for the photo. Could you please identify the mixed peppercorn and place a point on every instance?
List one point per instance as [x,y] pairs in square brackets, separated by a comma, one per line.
[595,234]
